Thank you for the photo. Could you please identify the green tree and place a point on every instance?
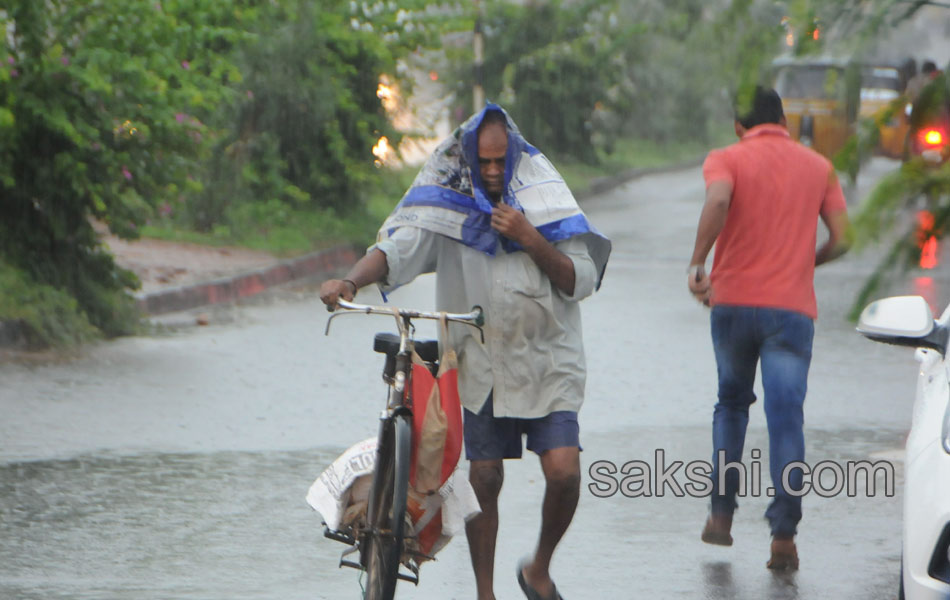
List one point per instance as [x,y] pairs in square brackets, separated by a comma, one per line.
[301,130]
[215,112]
[551,65]
[100,106]
[301,134]
[578,75]
[554,81]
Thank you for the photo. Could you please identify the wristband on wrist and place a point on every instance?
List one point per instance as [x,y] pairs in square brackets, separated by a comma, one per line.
[353,283]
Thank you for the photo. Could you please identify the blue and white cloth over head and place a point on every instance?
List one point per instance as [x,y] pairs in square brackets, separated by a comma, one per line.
[448,197]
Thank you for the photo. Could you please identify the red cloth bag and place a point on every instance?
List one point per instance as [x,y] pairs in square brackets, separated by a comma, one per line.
[436,421]
[436,438]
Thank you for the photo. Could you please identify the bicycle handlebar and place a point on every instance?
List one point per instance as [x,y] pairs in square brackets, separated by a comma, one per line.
[475,318]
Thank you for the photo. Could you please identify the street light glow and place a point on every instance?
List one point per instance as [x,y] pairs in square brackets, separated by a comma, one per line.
[383,151]
[387,94]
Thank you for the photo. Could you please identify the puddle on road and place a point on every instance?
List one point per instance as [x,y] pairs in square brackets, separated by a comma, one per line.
[222,525]
[236,525]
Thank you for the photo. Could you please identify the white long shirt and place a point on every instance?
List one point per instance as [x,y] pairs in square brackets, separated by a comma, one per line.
[533,356]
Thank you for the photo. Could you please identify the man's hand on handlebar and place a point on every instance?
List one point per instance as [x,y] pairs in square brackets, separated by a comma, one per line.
[332,290]
[371,268]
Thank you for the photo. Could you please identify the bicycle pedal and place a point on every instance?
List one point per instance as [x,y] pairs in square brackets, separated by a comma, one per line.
[339,536]
[351,564]
[413,579]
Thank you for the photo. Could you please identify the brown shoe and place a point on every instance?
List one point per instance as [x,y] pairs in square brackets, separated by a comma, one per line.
[717,529]
[784,554]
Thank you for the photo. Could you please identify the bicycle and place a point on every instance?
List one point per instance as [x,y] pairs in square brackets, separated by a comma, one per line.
[380,539]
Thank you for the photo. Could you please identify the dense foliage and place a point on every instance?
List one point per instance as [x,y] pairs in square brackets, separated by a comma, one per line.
[577,76]
[299,136]
[211,113]
[95,121]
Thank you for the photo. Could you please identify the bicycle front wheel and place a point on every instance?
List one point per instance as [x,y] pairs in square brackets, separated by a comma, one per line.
[383,543]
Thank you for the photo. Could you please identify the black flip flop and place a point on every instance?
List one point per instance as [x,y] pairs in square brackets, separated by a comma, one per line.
[530,592]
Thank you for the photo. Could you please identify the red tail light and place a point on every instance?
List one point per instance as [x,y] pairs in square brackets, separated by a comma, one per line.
[926,241]
[932,137]
[928,253]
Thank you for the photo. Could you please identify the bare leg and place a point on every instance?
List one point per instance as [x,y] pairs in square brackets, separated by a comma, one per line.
[562,476]
[486,477]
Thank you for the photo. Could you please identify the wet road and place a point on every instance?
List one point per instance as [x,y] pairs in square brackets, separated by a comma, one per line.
[176,466]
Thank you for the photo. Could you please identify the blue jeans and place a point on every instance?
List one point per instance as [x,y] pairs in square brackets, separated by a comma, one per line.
[782,340]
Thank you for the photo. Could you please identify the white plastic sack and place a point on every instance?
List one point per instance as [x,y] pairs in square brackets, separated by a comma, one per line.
[330,493]
[341,491]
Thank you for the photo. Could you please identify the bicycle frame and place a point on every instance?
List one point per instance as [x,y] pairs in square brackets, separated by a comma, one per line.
[380,542]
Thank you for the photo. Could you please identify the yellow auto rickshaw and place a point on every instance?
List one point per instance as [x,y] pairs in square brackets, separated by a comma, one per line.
[882,99]
[819,110]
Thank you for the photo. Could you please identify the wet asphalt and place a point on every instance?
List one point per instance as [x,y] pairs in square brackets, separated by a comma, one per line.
[176,465]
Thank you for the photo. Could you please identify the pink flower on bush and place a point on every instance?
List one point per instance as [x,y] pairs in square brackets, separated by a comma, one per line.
[185,65]
[11,60]
[126,173]
[180,117]
[165,209]
[65,61]
[250,95]
[14,73]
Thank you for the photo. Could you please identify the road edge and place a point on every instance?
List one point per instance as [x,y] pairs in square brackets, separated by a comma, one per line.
[247,284]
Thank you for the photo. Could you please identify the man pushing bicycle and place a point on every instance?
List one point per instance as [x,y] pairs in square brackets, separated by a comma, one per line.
[490,215]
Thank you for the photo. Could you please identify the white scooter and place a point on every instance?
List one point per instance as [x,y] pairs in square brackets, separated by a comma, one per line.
[907,321]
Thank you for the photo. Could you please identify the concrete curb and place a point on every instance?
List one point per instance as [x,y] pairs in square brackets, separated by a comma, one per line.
[245,285]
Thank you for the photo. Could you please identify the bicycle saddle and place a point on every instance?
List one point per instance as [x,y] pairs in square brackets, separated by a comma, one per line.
[388,343]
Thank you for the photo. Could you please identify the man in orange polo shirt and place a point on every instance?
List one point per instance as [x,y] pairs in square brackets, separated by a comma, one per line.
[764,196]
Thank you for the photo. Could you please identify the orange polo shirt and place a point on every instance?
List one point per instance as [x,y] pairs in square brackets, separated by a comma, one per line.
[765,254]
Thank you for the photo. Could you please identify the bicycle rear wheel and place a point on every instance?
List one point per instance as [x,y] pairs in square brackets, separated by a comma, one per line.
[383,543]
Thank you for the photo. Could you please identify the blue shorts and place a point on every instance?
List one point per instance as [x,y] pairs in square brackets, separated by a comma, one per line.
[490,438]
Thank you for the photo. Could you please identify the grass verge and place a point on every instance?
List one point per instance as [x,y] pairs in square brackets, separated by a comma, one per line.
[301,231]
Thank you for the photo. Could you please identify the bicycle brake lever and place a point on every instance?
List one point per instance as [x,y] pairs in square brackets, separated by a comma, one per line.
[335,314]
